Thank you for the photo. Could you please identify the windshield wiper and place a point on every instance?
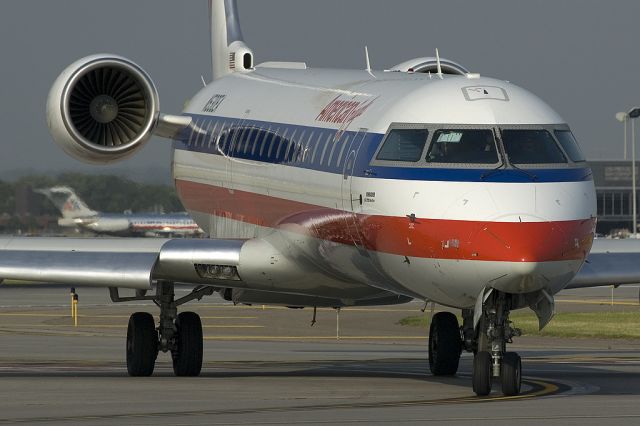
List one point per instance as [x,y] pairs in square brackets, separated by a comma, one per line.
[492,171]
[485,175]
[531,175]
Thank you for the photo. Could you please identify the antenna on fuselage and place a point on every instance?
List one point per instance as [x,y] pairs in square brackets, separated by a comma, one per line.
[366,56]
[438,63]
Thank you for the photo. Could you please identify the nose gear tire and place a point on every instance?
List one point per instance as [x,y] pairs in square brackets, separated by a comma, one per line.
[482,373]
[511,374]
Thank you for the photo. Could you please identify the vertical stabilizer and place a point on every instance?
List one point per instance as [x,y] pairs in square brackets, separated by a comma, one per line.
[228,52]
[66,200]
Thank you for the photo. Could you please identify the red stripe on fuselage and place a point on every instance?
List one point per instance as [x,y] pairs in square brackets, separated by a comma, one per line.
[426,238]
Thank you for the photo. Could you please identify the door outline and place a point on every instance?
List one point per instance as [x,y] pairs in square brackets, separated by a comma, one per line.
[346,193]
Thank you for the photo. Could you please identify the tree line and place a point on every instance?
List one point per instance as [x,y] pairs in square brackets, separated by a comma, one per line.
[106,193]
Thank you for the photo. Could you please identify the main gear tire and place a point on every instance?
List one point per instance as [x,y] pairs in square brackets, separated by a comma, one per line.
[445,344]
[187,355]
[142,344]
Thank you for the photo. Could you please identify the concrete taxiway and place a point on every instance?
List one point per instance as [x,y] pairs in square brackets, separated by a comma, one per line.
[268,366]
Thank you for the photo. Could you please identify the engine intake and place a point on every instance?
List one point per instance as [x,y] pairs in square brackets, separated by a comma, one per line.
[102,108]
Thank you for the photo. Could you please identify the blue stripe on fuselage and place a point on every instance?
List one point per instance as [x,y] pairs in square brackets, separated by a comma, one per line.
[317,148]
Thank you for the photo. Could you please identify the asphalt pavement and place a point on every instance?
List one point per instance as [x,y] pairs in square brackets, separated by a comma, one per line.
[270,366]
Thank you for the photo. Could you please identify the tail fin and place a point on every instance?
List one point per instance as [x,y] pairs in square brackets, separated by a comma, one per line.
[228,51]
[66,200]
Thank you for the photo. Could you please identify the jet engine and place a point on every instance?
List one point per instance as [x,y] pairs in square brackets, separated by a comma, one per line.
[102,108]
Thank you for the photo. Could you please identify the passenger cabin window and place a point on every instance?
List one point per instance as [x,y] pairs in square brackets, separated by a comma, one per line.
[259,135]
[265,141]
[470,146]
[249,140]
[273,142]
[315,148]
[344,145]
[403,145]
[531,147]
[568,142]
[213,135]
[225,139]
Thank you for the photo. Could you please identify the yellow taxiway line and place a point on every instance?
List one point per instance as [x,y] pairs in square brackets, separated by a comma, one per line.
[315,337]
[597,302]
[43,315]
[43,327]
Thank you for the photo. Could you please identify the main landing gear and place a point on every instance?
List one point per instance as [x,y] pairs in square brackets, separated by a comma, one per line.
[180,334]
[445,344]
[487,341]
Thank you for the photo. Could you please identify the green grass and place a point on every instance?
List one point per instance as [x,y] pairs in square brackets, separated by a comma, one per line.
[602,325]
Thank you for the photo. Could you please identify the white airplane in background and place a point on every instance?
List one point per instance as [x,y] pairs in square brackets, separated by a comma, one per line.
[331,188]
[76,213]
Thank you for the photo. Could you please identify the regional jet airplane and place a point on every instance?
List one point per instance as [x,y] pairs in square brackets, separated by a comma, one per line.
[76,213]
[331,188]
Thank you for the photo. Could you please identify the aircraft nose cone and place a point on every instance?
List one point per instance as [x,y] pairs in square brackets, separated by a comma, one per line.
[539,241]
[529,256]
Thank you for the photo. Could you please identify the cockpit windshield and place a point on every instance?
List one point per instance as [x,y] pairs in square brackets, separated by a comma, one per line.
[531,146]
[475,146]
[568,142]
[403,145]
[478,146]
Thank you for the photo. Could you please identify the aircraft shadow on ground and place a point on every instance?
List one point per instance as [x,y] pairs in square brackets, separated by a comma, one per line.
[400,368]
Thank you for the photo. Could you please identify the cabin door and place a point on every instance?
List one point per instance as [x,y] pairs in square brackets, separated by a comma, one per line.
[351,199]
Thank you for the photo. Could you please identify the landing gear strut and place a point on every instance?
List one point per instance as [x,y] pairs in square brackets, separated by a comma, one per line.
[491,359]
[180,334]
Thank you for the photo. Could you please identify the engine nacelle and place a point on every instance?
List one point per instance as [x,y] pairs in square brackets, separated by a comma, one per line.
[102,108]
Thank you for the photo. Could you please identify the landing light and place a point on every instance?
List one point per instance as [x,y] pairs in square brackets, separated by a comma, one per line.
[217,272]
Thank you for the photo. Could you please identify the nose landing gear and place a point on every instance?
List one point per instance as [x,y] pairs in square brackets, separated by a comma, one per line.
[491,359]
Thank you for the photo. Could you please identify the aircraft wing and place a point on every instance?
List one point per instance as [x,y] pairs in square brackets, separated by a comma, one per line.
[611,262]
[119,262]
[135,262]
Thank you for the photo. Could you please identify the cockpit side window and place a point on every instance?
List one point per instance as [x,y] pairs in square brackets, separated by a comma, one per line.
[463,146]
[568,142]
[531,146]
[403,145]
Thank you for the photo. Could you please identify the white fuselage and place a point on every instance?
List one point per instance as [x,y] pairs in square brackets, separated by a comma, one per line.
[137,224]
[290,156]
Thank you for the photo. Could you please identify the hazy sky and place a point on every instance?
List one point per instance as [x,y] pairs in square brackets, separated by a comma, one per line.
[581,56]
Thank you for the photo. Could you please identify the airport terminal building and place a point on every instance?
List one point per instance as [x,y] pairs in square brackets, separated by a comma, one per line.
[613,191]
